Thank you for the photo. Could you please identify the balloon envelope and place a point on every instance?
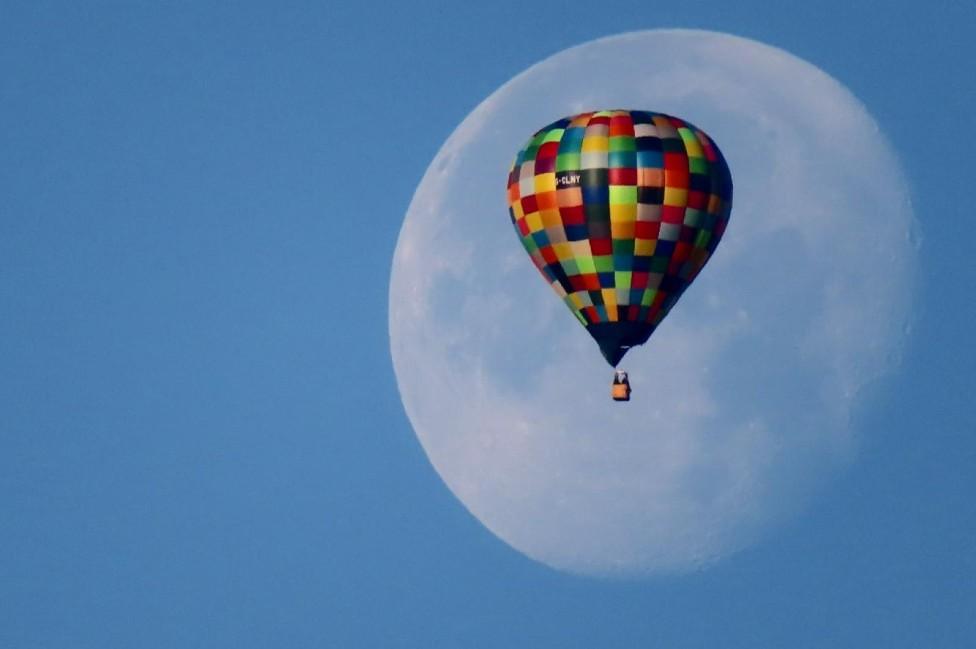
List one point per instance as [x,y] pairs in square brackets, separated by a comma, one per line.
[620,210]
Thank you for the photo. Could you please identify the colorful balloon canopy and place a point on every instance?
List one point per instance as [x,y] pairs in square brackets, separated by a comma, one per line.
[620,210]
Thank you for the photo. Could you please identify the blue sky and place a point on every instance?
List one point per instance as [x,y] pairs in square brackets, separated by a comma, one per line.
[201,440]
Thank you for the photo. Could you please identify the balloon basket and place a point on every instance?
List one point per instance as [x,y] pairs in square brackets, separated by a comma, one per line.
[620,388]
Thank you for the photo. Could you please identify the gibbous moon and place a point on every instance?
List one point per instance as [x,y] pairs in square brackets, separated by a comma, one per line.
[743,396]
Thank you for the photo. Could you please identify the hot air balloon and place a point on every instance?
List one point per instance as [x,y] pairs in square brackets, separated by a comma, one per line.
[620,210]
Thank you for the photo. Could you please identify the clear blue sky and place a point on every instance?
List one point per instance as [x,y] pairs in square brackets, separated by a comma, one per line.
[201,441]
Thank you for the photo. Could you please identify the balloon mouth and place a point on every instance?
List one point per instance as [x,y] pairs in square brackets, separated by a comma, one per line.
[616,338]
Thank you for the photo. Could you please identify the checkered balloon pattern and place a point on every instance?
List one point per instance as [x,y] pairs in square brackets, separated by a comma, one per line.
[620,210]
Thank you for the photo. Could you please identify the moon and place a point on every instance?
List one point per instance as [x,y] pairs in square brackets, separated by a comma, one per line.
[743,397]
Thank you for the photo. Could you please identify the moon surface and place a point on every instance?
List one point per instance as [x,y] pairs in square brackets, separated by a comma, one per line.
[743,396]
